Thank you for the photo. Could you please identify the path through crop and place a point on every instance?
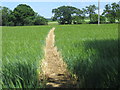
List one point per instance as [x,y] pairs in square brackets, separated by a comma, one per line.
[53,67]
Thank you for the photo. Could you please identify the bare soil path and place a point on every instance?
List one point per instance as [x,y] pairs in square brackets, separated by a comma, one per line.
[53,67]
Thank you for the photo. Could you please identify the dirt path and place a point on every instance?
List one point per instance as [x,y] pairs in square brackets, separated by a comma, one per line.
[53,67]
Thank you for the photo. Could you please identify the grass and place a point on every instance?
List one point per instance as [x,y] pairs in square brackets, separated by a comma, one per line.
[0,56]
[22,51]
[91,52]
[53,23]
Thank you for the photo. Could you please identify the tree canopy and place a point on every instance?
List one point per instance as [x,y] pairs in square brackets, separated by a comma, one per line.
[21,15]
[64,14]
[7,16]
[24,15]
[39,20]
[112,12]
[90,10]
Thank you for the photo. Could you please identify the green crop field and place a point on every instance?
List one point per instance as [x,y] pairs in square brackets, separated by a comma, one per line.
[90,51]
[22,49]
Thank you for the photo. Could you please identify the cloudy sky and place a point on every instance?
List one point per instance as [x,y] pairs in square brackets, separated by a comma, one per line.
[44,7]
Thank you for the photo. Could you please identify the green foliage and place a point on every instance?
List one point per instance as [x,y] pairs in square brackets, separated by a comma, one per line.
[39,20]
[64,14]
[90,10]
[7,16]
[78,19]
[111,12]
[94,19]
[22,51]
[0,16]
[102,19]
[91,52]
[22,15]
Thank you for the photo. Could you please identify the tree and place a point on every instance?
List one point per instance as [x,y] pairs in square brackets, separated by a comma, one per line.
[112,12]
[7,16]
[39,20]
[64,14]
[102,19]
[94,19]
[21,15]
[84,11]
[24,14]
[78,19]
[90,10]
[107,12]
[0,16]
[115,11]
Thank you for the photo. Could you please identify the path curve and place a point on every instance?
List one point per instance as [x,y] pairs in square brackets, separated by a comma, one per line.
[53,66]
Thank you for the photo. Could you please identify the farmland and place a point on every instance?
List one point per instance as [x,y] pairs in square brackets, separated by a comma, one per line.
[90,51]
[22,51]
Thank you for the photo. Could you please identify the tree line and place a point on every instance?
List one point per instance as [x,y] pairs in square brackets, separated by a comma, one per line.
[69,14]
[24,15]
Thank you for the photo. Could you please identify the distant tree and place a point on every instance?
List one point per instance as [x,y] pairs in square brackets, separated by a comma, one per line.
[112,12]
[115,11]
[94,19]
[39,20]
[7,16]
[64,14]
[53,18]
[28,21]
[90,10]
[118,12]
[21,15]
[24,14]
[78,19]
[84,11]
[102,19]
[0,15]
[107,12]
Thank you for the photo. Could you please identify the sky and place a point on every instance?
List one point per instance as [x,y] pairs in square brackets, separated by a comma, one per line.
[45,8]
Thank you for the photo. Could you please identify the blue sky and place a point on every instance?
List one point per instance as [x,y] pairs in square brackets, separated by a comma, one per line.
[45,8]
